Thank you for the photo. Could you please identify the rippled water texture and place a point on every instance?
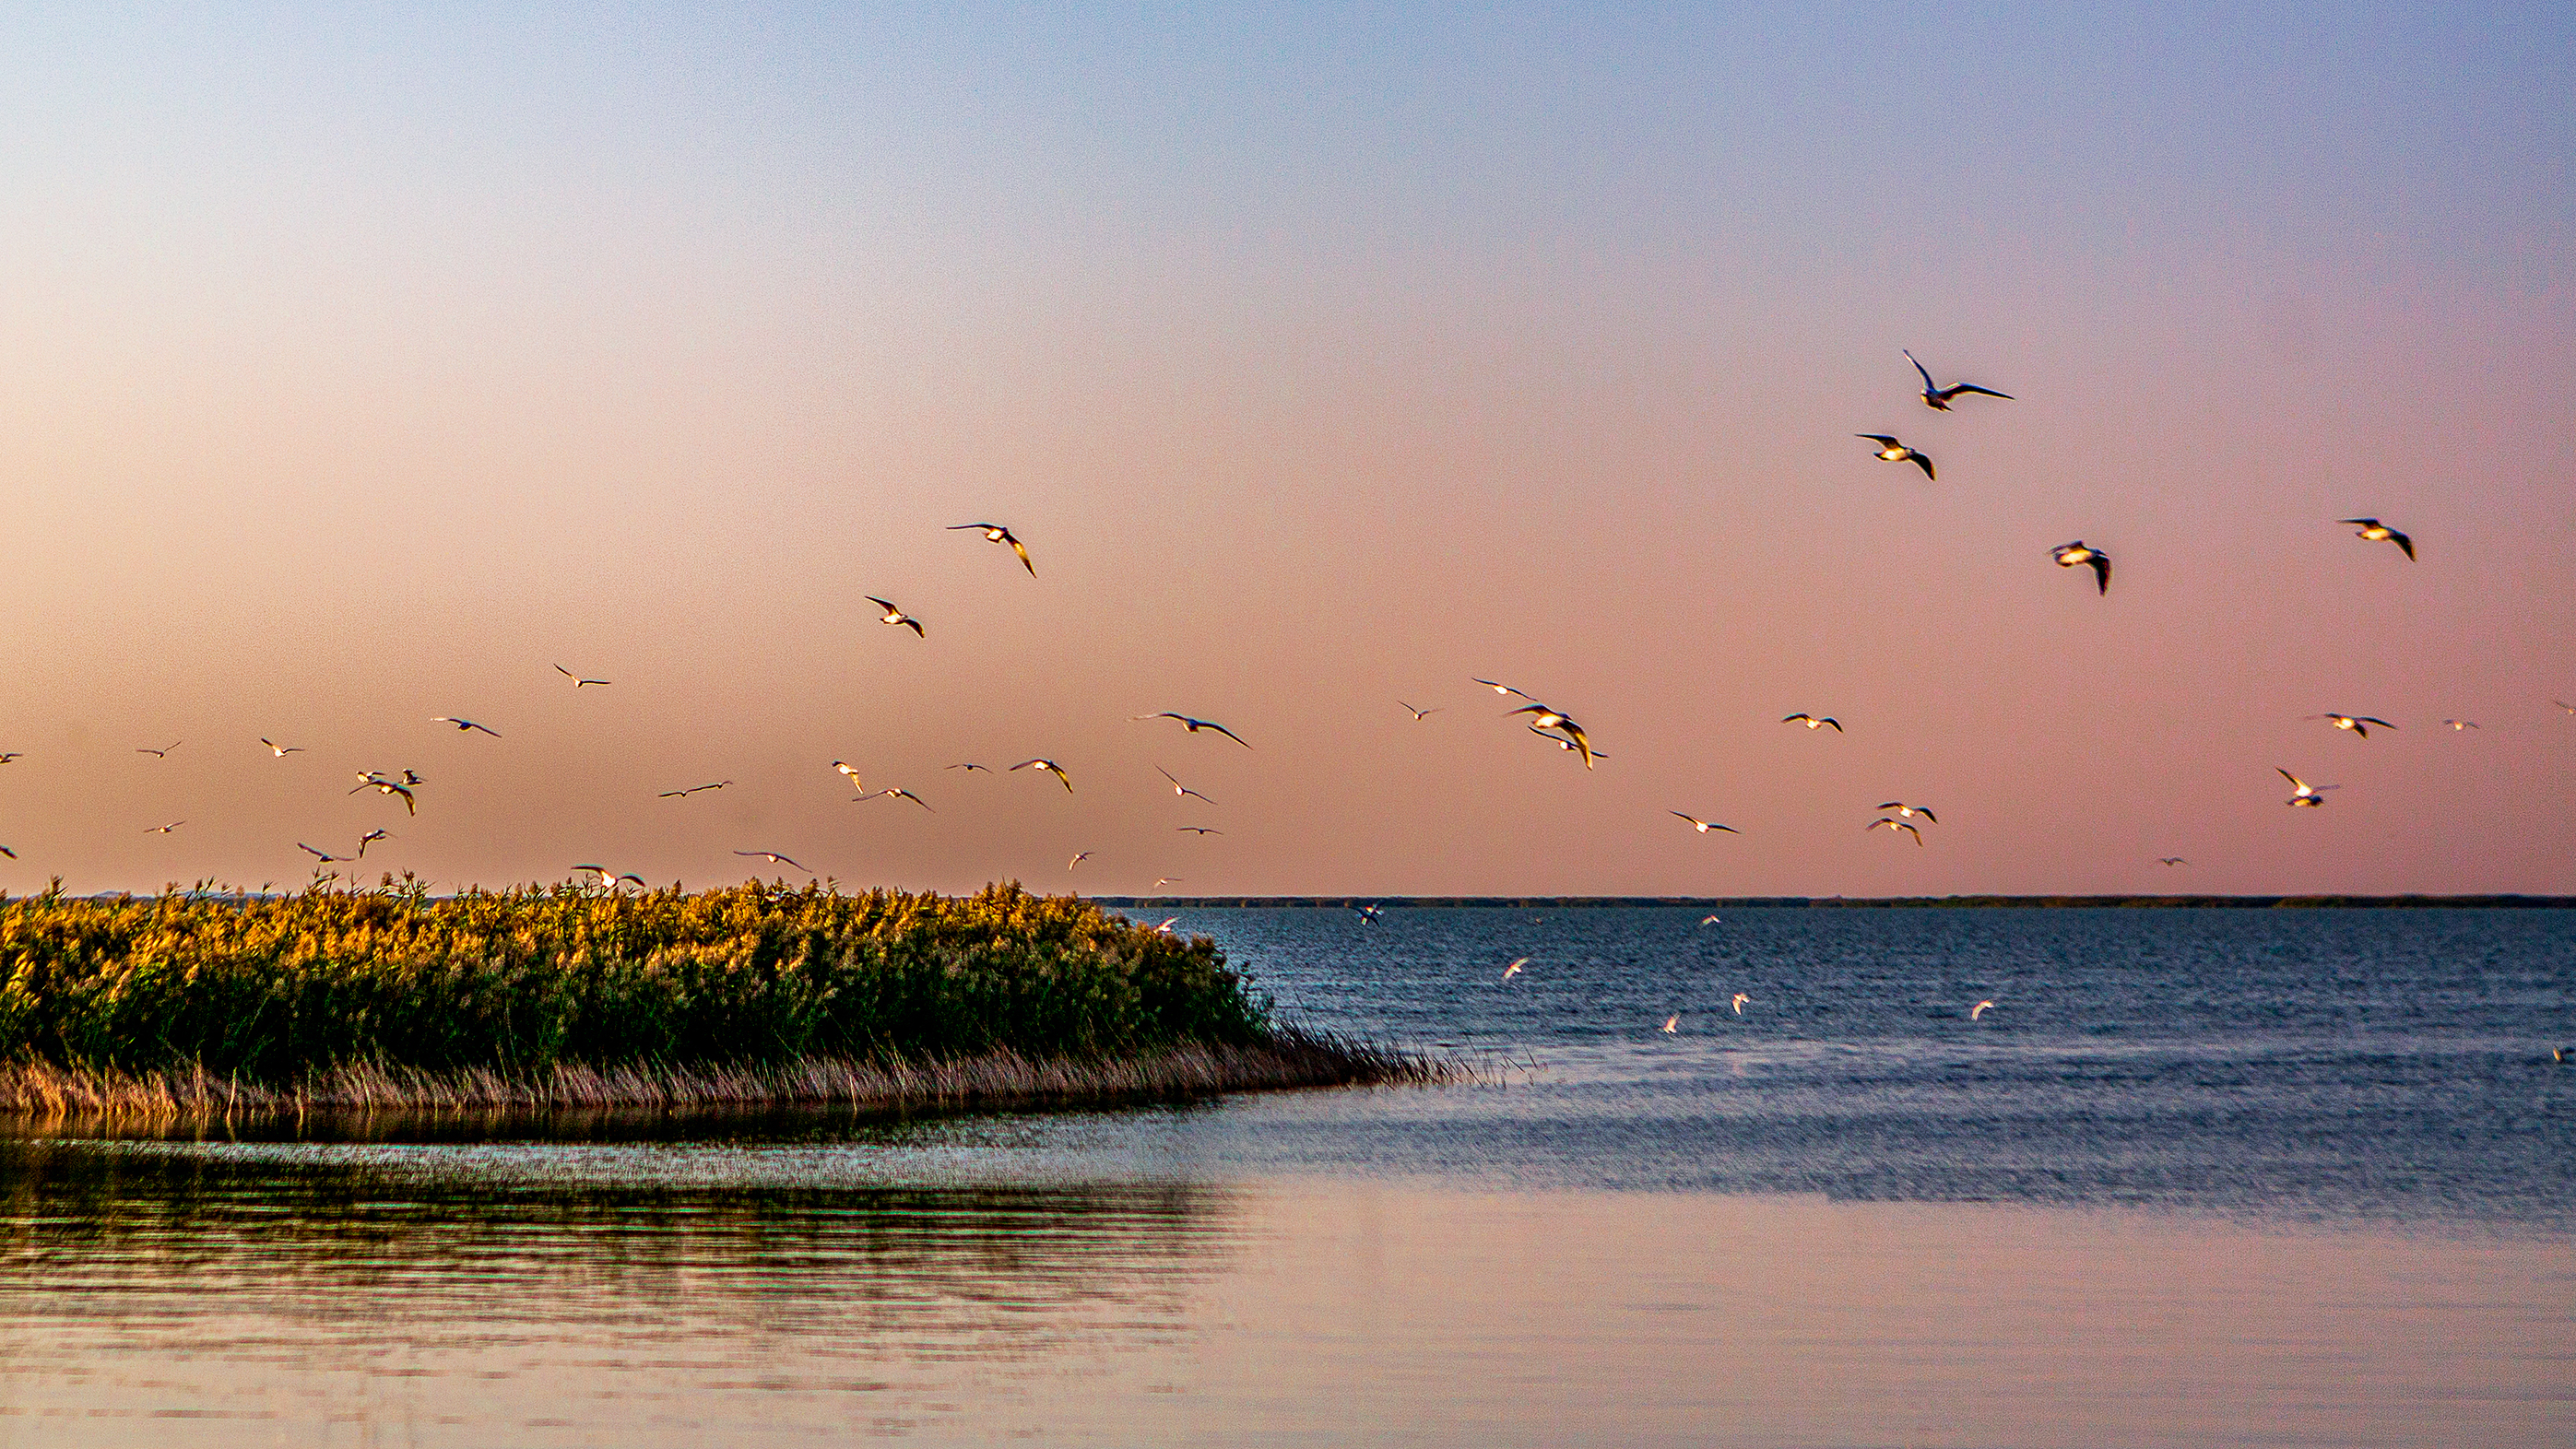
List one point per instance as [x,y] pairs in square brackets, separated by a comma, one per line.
[2197,1177]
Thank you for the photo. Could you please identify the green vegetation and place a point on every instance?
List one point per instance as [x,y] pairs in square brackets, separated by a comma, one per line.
[747,984]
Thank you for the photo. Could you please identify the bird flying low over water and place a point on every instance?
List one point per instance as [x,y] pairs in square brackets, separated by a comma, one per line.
[1367,914]
[464,724]
[2304,793]
[895,615]
[1554,719]
[1052,768]
[1514,969]
[1704,826]
[1813,721]
[773,857]
[1938,397]
[1195,725]
[2374,530]
[1673,1024]
[1895,452]
[996,533]
[1742,997]
[2357,723]
[578,681]
[1980,1009]
[164,752]
[1894,825]
[2068,555]
[281,751]
[1905,811]
[1178,789]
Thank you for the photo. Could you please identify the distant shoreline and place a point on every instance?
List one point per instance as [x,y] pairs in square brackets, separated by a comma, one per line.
[1572,903]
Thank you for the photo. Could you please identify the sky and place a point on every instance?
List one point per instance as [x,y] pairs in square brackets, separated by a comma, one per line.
[360,365]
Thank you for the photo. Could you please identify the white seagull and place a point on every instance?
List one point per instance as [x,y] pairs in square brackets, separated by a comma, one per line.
[1514,969]
[996,533]
[692,790]
[1980,1009]
[1896,452]
[1742,997]
[578,682]
[464,724]
[2306,794]
[1052,768]
[2375,531]
[1813,721]
[374,781]
[898,792]
[2461,724]
[164,753]
[280,751]
[323,856]
[1908,812]
[1179,789]
[1554,719]
[1419,715]
[895,615]
[1938,397]
[2069,555]
[1673,1024]
[773,857]
[1498,687]
[1079,858]
[165,829]
[2357,723]
[852,772]
[369,838]
[1704,826]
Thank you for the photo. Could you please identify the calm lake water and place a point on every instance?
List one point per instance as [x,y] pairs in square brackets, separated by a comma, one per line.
[2276,1177]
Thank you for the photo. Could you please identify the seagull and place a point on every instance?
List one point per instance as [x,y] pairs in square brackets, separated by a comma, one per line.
[2171,860]
[1813,721]
[365,840]
[1196,830]
[895,615]
[578,682]
[1499,687]
[11,755]
[1419,715]
[2455,724]
[1179,789]
[1893,826]
[323,856]
[412,777]
[996,533]
[1704,826]
[1742,997]
[1552,719]
[1708,920]
[1562,744]
[384,786]
[1167,880]
[1165,929]
[846,768]
[1079,858]
[2068,555]
[1673,1024]
[1938,397]
[1896,452]
[773,857]
[692,790]
[2374,530]
[163,754]
[970,767]
[1908,812]
[2354,722]
[1052,768]
[1514,969]
[465,724]
[165,829]
[1980,1009]
[608,879]
[902,794]
[1367,913]
[1195,725]
[2306,794]
[280,751]
[4,850]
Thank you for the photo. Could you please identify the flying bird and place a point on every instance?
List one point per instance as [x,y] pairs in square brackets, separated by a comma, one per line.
[1165,929]
[1894,825]
[1896,452]
[2374,530]
[465,724]
[1499,687]
[280,751]
[1419,715]
[1980,1009]
[578,682]
[1938,397]
[367,839]
[11,755]
[324,856]
[164,753]
[895,615]
[1514,969]
[1742,997]
[382,786]
[773,857]
[1673,1024]
[165,829]
[2304,793]
[2171,860]
[2068,555]
[1813,721]
[1195,725]
[1052,768]
[1708,920]
[1197,830]
[900,793]
[852,771]
[1705,826]
[1079,858]
[1562,743]
[412,777]
[1367,913]
[2357,723]
[2461,724]
[2562,704]
[1167,880]
[608,879]
[692,790]
[1553,719]
[970,767]
[1907,812]
[996,533]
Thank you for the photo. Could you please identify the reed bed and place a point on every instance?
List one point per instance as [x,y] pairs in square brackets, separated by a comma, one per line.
[189,1003]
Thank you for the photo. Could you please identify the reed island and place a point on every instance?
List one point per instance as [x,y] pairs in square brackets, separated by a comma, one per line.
[548,998]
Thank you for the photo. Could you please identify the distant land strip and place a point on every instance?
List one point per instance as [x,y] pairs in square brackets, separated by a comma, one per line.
[1577,903]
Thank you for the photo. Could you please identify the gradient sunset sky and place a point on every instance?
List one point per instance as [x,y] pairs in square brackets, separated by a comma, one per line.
[359,366]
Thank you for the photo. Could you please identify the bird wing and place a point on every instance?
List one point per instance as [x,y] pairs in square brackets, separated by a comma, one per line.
[1837,724]
[1229,734]
[2101,563]
[917,631]
[1022,550]
[1882,439]
[884,604]
[568,674]
[2383,724]
[2293,779]
[1959,388]
[952,528]
[1924,463]
[1928,384]
[1928,815]
[1917,834]
[2403,542]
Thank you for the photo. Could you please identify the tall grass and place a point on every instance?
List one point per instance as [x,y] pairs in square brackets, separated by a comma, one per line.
[549,993]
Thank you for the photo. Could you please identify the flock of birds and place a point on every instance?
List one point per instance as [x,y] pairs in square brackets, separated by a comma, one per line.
[1539,717]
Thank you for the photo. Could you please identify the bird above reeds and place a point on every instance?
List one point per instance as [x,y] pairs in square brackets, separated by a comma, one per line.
[162,753]
[1938,397]
[996,533]
[2303,793]
[324,856]
[2376,531]
[378,783]
[2071,555]
[278,750]
[1052,768]
[894,615]
[1813,721]
[1549,718]
[774,858]
[2357,723]
[1741,997]
[577,681]
[370,838]
[1704,826]
[608,879]
[1195,725]
[1167,880]
[1890,450]
[1894,825]
[464,724]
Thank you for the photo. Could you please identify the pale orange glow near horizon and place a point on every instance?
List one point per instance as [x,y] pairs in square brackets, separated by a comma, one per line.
[315,434]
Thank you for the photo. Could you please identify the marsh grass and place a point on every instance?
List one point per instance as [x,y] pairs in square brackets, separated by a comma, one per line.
[564,998]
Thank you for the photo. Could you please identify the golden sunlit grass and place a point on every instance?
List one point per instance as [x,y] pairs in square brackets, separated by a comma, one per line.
[192,1002]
